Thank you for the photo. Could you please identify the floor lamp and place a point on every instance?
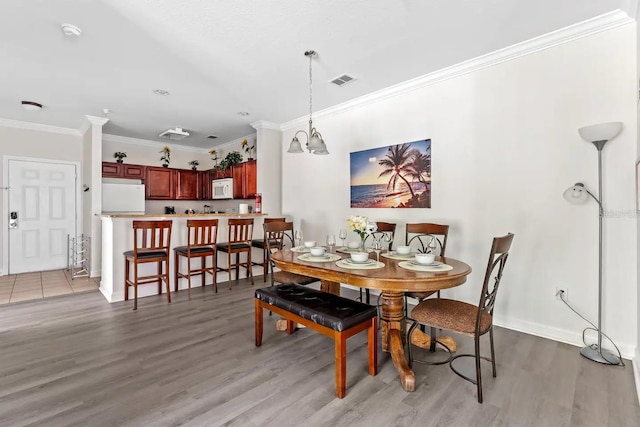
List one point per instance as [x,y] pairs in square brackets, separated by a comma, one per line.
[598,135]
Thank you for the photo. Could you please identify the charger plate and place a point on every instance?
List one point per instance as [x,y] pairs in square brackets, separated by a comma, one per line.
[352,266]
[325,258]
[429,268]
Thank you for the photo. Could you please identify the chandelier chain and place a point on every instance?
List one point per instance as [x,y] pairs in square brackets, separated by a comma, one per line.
[310,87]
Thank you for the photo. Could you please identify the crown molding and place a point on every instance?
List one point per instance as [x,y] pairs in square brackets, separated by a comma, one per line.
[264,124]
[100,121]
[149,143]
[586,28]
[38,127]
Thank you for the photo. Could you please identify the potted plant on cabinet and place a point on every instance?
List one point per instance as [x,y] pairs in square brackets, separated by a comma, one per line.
[166,156]
[247,148]
[231,159]
[194,165]
[119,155]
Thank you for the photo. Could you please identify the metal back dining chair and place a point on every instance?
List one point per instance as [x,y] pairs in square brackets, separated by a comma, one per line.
[465,318]
[383,229]
[426,237]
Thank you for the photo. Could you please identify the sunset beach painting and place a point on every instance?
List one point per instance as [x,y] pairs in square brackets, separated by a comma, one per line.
[397,176]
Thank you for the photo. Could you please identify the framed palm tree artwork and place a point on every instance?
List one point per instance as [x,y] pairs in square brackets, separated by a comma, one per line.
[397,176]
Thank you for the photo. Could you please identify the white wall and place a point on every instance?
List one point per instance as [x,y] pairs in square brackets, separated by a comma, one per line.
[37,145]
[505,146]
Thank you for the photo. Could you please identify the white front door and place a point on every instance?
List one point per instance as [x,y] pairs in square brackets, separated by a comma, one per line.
[42,213]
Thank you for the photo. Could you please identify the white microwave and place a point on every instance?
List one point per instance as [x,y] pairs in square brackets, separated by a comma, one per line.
[222,188]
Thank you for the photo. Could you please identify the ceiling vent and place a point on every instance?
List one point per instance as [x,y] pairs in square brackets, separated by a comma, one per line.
[212,136]
[176,134]
[342,80]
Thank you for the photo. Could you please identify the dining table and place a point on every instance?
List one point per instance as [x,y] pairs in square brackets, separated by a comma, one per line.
[390,277]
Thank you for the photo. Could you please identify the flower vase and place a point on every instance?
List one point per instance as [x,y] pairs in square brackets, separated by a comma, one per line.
[362,239]
[119,161]
[165,165]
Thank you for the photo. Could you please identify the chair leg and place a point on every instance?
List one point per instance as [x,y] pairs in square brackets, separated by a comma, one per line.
[237,265]
[432,346]
[258,323]
[176,267]
[372,346]
[478,372]
[166,279]
[265,265]
[249,269]
[409,351]
[160,278]
[126,279]
[493,354]
[341,364]
[135,285]
[229,267]
[215,272]
[189,277]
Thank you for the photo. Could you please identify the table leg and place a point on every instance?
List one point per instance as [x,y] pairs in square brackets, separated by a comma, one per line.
[393,334]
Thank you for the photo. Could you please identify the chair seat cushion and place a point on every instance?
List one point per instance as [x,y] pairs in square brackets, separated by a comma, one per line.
[183,250]
[456,316]
[258,243]
[224,247]
[329,310]
[420,295]
[299,279]
[146,254]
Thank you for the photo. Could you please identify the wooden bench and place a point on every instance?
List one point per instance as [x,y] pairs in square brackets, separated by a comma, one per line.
[331,315]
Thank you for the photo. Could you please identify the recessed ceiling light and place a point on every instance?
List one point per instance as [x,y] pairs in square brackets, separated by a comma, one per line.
[71,30]
[31,106]
[161,92]
[243,113]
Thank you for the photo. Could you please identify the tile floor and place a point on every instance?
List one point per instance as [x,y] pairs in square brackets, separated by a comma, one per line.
[30,286]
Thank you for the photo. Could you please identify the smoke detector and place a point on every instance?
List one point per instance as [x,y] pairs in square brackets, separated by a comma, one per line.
[70,30]
[176,134]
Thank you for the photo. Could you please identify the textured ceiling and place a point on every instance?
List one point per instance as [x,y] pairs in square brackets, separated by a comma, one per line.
[218,58]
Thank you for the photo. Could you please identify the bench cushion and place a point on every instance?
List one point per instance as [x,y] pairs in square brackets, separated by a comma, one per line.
[329,310]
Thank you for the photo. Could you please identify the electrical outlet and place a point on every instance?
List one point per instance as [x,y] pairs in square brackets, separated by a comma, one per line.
[562,291]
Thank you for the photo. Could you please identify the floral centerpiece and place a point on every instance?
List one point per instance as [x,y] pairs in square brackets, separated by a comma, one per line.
[362,226]
[166,156]
[247,148]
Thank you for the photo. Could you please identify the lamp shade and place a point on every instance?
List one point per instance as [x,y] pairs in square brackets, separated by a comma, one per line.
[315,142]
[295,146]
[323,149]
[601,132]
[576,194]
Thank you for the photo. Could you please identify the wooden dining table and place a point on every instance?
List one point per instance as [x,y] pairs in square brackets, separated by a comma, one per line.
[393,281]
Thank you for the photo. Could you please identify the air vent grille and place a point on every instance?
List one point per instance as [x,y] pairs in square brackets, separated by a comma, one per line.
[212,136]
[342,80]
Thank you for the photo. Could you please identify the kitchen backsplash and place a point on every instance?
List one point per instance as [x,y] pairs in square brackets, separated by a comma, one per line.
[157,206]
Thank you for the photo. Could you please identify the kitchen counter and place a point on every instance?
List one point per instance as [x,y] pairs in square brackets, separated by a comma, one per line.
[117,237]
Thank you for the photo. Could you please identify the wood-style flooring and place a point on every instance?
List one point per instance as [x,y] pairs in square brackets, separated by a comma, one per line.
[77,360]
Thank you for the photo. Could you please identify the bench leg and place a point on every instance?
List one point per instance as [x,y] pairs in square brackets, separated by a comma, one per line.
[341,364]
[258,325]
[291,327]
[373,346]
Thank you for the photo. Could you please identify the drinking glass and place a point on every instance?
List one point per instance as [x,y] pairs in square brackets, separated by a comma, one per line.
[343,236]
[331,241]
[377,247]
[298,238]
[432,245]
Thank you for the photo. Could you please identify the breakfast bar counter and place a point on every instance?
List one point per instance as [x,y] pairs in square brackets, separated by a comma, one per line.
[117,237]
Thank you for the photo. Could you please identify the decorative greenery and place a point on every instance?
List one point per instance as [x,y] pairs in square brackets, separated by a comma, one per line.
[194,164]
[362,226]
[166,156]
[119,155]
[247,149]
[231,159]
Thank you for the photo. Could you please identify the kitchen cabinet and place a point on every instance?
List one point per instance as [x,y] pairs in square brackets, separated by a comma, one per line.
[160,183]
[122,170]
[205,184]
[244,180]
[219,174]
[188,185]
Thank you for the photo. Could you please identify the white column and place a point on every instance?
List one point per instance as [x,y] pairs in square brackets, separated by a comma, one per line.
[92,198]
[269,155]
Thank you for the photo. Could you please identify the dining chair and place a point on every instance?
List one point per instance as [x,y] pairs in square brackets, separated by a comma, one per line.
[202,236]
[464,318]
[259,243]
[426,237]
[279,236]
[382,229]
[151,242]
[238,242]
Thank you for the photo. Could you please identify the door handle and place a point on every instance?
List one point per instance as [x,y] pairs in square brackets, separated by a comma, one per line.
[13,220]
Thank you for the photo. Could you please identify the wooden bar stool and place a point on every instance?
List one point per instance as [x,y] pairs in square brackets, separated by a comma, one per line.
[202,236]
[239,241]
[151,241]
[260,244]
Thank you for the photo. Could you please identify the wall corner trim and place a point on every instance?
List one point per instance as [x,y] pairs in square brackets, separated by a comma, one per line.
[39,127]
[636,372]
[263,124]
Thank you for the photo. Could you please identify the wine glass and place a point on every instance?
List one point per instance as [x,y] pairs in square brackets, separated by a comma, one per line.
[298,238]
[331,241]
[343,235]
[377,247]
[432,245]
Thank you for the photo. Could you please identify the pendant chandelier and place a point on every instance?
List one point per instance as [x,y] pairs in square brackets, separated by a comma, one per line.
[315,144]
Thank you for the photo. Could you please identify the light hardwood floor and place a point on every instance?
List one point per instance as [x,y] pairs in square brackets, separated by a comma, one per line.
[77,360]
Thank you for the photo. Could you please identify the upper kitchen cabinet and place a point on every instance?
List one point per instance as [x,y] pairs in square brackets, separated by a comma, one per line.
[219,174]
[244,180]
[188,185]
[122,170]
[160,183]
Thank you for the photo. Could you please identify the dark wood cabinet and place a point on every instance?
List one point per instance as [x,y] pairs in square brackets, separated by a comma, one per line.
[188,185]
[244,180]
[122,170]
[160,183]
[205,178]
[219,174]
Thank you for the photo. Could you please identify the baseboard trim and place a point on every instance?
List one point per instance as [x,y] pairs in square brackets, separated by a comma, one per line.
[108,295]
[636,372]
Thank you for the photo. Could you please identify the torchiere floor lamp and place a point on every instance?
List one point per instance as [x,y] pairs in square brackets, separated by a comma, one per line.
[598,135]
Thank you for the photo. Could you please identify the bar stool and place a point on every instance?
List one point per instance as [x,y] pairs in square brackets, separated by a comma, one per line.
[151,241]
[259,243]
[239,241]
[202,236]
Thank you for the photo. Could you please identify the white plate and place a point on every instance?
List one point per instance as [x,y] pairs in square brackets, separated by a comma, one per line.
[350,261]
[314,257]
[433,264]
[409,255]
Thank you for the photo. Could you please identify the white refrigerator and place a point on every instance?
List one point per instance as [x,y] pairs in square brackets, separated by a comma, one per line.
[122,198]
